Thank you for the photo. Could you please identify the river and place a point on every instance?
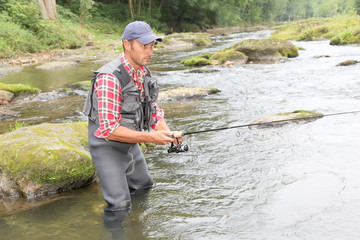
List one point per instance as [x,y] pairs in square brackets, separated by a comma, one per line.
[298,181]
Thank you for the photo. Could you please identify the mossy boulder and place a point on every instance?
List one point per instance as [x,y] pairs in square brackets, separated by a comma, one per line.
[44,159]
[185,93]
[281,118]
[202,60]
[251,50]
[264,50]
[18,88]
[85,85]
[225,55]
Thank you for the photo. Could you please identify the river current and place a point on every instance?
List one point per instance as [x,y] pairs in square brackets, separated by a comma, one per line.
[298,181]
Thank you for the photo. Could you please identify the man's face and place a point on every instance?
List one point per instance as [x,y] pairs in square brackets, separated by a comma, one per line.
[137,53]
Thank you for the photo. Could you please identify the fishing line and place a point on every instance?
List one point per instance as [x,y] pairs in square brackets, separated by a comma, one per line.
[268,123]
[183,148]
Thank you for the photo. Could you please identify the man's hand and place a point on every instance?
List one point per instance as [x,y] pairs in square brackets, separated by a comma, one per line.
[161,137]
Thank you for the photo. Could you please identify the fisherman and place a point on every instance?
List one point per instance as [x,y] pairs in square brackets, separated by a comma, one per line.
[123,112]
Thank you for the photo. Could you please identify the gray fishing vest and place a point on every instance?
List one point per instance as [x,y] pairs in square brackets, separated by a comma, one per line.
[135,114]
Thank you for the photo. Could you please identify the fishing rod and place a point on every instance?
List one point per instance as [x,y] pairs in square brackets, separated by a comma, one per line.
[183,148]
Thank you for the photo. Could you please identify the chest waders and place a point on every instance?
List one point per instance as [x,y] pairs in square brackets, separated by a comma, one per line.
[121,167]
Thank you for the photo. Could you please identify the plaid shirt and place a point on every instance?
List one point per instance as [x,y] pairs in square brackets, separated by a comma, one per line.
[108,90]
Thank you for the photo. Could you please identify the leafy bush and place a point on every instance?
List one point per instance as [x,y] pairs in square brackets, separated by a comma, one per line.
[25,13]
[15,40]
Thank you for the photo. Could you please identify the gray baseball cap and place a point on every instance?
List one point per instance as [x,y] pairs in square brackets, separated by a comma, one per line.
[141,31]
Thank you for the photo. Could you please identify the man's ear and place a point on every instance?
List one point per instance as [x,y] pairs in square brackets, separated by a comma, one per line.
[126,45]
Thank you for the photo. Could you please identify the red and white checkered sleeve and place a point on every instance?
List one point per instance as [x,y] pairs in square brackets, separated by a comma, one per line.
[108,90]
[157,116]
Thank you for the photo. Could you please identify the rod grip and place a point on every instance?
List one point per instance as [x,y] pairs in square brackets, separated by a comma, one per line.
[177,134]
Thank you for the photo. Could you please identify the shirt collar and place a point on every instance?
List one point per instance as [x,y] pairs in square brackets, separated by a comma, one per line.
[130,69]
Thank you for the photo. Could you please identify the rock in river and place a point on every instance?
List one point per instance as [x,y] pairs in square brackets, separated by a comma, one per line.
[5,97]
[266,50]
[44,159]
[280,118]
[184,93]
[348,63]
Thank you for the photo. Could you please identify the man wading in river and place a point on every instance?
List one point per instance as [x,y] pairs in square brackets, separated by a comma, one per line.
[122,109]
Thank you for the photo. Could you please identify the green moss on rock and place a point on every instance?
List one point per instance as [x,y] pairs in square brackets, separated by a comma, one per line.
[301,114]
[46,158]
[257,48]
[228,55]
[18,88]
[281,118]
[83,84]
[201,60]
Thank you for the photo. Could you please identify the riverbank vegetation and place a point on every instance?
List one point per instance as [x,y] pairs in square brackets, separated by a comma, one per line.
[28,26]
[340,29]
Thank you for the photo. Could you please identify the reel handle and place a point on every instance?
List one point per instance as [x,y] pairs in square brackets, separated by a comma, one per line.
[177,134]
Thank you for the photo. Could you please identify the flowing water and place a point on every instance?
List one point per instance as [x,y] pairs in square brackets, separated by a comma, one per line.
[298,181]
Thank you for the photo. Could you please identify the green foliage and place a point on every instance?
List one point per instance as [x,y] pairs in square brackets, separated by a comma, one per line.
[85,6]
[350,36]
[357,6]
[26,31]
[16,126]
[340,29]
[14,39]
[25,13]
[23,30]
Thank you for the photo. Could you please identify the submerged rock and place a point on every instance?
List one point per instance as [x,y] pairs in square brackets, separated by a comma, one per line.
[184,93]
[6,113]
[348,63]
[56,65]
[5,97]
[280,118]
[44,159]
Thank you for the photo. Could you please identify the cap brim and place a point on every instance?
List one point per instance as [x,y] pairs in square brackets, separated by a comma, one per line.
[149,38]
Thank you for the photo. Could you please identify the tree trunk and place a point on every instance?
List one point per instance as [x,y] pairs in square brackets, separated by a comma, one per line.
[150,10]
[47,8]
[131,6]
[139,7]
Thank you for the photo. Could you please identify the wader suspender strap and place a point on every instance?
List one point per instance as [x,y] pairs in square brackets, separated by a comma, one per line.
[124,79]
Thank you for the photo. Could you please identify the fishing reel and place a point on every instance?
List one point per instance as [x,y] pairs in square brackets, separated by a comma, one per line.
[178,147]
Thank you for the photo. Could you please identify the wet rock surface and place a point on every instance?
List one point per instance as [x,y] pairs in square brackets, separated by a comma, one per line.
[186,93]
[5,97]
[44,159]
[281,119]
[347,63]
